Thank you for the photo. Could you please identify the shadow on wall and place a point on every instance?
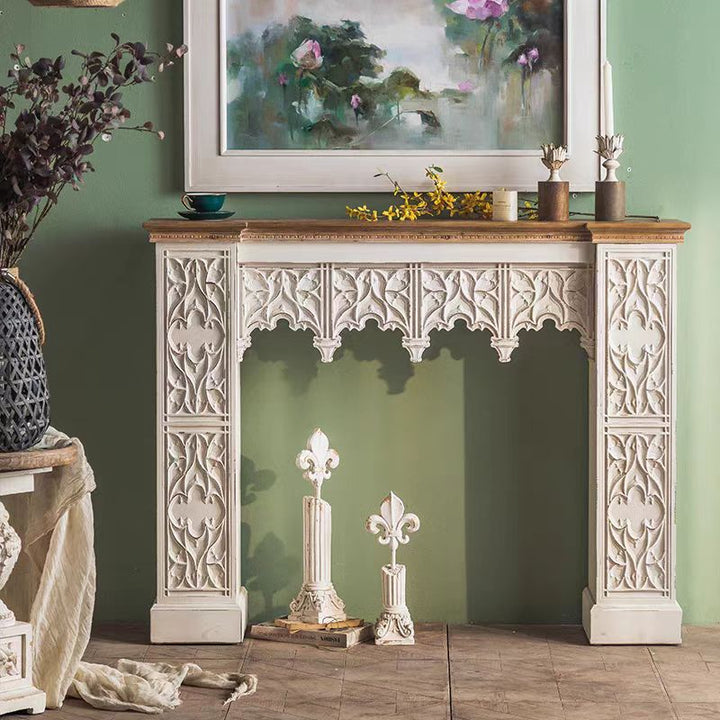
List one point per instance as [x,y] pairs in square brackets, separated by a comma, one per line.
[525,467]
[269,570]
[370,345]
[526,436]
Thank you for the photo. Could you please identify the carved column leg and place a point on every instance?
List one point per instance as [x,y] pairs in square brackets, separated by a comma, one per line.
[631,593]
[199,595]
[317,601]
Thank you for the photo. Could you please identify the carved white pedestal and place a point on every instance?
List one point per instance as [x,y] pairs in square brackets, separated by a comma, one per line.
[612,282]
[317,602]
[394,626]
[392,525]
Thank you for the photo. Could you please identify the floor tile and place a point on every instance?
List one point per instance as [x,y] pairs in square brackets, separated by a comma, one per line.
[691,685]
[697,711]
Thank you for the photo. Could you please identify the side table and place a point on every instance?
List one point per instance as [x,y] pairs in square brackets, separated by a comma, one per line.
[17,475]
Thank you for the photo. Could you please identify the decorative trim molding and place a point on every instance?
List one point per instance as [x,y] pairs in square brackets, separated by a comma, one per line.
[416,299]
[451,232]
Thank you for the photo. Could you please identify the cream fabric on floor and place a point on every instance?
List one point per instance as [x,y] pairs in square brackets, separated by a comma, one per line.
[150,687]
[54,585]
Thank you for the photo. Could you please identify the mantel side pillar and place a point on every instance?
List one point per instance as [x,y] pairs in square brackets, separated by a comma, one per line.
[199,597]
[630,598]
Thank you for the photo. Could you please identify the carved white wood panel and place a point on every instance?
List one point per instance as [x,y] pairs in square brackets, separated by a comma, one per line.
[637,491]
[196,330]
[637,422]
[469,294]
[416,299]
[196,419]
[637,360]
[269,295]
[196,511]
[563,296]
[381,294]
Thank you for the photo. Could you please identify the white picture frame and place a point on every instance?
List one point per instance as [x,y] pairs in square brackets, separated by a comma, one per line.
[210,167]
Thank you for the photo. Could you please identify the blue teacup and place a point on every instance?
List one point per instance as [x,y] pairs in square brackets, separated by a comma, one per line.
[203,202]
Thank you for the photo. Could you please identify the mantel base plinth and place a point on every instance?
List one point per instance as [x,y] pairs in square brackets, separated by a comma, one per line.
[186,624]
[618,623]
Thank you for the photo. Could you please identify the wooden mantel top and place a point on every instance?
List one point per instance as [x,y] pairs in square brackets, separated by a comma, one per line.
[428,231]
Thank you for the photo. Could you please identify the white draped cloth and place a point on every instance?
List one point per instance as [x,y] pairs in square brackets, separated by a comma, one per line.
[53,585]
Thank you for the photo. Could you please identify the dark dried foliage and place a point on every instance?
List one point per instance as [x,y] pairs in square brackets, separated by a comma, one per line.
[49,127]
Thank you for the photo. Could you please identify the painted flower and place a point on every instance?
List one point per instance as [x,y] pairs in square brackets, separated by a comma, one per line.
[355,102]
[479,9]
[283,79]
[308,56]
[529,58]
[466,86]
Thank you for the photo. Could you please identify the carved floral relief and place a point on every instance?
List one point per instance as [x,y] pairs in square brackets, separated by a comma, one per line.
[197,533]
[637,482]
[196,372]
[637,358]
[561,295]
[469,294]
[273,294]
[416,299]
[380,294]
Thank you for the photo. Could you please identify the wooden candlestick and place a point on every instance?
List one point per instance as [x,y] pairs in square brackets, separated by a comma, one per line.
[610,203]
[554,201]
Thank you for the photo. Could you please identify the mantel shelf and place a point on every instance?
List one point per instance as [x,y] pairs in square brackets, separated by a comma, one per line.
[429,231]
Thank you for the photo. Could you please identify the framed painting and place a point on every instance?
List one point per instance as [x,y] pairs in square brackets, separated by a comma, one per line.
[321,95]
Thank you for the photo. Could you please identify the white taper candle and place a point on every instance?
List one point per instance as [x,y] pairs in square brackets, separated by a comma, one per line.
[608,101]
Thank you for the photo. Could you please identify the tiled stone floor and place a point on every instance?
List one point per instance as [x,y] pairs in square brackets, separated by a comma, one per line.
[460,673]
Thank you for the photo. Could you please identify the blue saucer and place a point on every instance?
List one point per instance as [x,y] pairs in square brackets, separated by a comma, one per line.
[220,215]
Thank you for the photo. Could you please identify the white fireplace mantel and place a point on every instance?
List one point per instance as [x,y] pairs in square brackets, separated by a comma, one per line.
[612,282]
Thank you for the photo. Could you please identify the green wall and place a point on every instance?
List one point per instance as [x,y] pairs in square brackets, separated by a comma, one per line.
[477,449]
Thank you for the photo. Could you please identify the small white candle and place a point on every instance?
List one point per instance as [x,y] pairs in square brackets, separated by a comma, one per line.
[505,205]
[609,105]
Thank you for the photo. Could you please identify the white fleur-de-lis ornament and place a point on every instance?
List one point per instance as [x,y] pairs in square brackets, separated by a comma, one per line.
[318,460]
[393,525]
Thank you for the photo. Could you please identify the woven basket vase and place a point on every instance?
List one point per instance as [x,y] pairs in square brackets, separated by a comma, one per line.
[24,397]
[76,3]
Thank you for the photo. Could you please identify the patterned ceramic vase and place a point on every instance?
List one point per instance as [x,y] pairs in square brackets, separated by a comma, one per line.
[24,397]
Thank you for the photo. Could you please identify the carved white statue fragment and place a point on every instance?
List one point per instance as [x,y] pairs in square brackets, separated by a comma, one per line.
[10,547]
[317,601]
[394,626]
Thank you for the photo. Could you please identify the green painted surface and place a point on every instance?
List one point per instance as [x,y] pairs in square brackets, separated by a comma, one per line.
[479,450]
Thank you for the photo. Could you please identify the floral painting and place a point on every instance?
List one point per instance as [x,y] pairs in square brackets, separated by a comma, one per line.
[394,75]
